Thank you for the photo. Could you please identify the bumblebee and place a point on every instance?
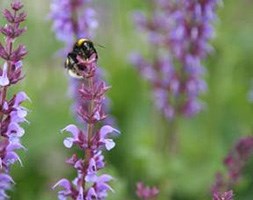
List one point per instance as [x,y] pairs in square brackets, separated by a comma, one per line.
[83,48]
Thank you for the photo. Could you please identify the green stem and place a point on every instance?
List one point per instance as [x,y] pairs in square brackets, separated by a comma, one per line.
[172,141]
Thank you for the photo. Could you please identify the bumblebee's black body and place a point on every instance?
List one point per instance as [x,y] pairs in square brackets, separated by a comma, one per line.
[83,48]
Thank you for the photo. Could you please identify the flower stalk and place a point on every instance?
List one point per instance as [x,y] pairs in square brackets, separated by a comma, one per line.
[178,33]
[234,162]
[91,140]
[12,114]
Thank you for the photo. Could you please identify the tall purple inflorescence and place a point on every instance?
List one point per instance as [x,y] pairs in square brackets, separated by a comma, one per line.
[72,20]
[179,34]
[234,162]
[11,111]
[88,184]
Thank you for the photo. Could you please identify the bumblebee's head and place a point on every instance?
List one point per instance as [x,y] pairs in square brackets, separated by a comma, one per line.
[85,48]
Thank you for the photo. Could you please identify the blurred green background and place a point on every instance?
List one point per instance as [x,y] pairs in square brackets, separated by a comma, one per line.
[204,139]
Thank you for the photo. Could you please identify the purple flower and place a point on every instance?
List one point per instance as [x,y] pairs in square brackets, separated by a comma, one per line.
[234,162]
[101,186]
[68,189]
[145,192]
[223,196]
[4,80]
[179,33]
[238,157]
[92,140]
[12,113]
[5,184]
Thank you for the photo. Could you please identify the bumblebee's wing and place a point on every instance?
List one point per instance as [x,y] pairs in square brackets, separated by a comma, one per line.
[71,65]
[71,60]
[67,63]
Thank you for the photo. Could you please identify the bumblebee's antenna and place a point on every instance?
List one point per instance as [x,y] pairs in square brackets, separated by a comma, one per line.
[99,45]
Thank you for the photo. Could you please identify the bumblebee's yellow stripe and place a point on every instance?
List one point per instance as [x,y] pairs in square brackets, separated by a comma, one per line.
[81,41]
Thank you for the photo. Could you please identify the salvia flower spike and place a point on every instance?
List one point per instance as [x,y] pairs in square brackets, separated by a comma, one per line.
[178,33]
[145,192]
[234,162]
[12,113]
[92,141]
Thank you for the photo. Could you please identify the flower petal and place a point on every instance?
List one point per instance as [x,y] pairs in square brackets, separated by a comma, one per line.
[105,178]
[91,194]
[15,129]
[68,142]
[109,144]
[91,172]
[20,97]
[80,194]
[63,183]
[72,129]
[4,80]
[105,130]
[14,146]
[6,178]
[12,157]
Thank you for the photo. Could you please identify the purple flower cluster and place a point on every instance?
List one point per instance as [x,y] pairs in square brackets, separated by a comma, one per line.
[72,19]
[179,33]
[11,111]
[145,192]
[223,196]
[234,162]
[92,141]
